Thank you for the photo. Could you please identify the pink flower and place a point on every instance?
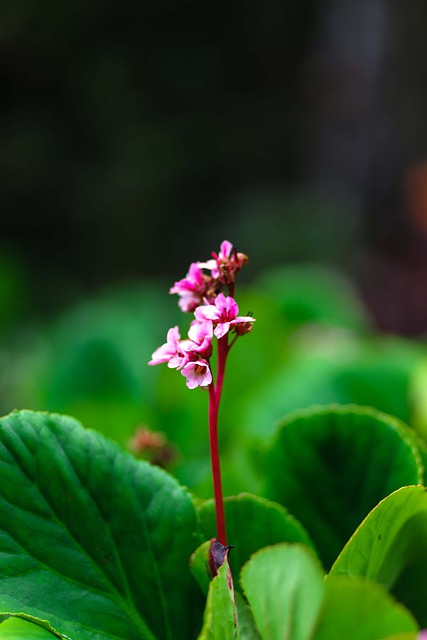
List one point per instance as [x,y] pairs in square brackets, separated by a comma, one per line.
[223,314]
[197,373]
[191,289]
[169,352]
[199,344]
[201,334]
[225,264]
[224,255]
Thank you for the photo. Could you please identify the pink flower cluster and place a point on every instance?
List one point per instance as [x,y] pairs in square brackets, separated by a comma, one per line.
[215,316]
[197,285]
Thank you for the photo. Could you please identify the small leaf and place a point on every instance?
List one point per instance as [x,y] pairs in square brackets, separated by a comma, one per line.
[330,466]
[390,547]
[252,523]
[199,565]
[92,540]
[284,587]
[356,609]
[220,619]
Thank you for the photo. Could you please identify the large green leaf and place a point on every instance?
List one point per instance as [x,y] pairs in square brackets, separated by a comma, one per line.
[92,540]
[284,587]
[330,466]
[252,523]
[360,610]
[390,546]
[220,619]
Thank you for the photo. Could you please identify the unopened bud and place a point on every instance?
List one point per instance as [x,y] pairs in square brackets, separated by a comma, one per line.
[153,447]
[243,327]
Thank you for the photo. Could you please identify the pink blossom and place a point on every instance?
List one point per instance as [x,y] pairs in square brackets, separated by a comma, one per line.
[224,255]
[201,334]
[225,265]
[223,314]
[197,374]
[199,343]
[191,289]
[225,250]
[169,352]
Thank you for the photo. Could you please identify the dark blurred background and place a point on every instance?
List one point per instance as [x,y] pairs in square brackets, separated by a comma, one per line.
[135,136]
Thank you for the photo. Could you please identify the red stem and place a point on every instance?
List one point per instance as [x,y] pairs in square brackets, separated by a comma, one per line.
[223,349]
[214,401]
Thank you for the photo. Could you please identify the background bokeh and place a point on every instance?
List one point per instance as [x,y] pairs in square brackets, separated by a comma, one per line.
[136,136]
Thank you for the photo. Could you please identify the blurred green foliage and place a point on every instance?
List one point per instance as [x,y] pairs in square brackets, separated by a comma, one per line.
[312,343]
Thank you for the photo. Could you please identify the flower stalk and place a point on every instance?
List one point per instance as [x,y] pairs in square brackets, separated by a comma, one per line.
[214,403]
[216,316]
[216,466]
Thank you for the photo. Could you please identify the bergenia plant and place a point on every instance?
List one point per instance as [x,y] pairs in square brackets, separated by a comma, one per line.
[215,327]
[98,545]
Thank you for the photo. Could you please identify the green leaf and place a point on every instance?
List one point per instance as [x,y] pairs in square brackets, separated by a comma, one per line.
[390,547]
[314,293]
[289,599]
[284,587]
[18,629]
[252,523]
[325,366]
[92,540]
[330,466]
[356,609]
[220,619]
[247,627]
[199,565]
[90,362]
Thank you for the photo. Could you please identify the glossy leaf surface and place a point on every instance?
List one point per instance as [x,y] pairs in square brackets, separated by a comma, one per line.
[360,610]
[220,619]
[252,523]
[331,466]
[284,587]
[90,539]
[390,547]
